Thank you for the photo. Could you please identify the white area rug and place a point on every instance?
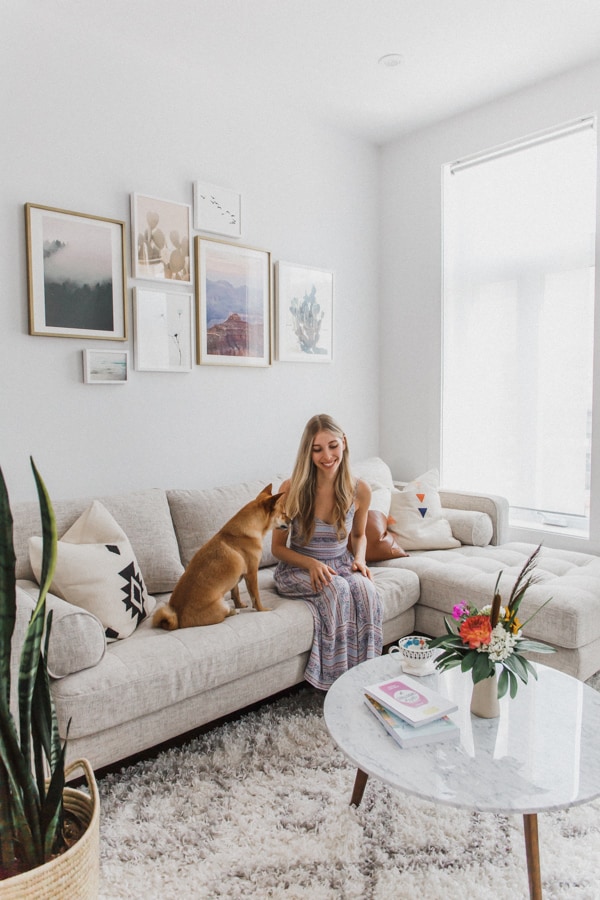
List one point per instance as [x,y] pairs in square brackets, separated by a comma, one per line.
[259,808]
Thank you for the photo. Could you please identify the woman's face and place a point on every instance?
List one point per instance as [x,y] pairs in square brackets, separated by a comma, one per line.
[327,452]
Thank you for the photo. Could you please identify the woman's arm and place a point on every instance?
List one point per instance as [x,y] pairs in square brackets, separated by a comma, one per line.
[359,524]
[320,574]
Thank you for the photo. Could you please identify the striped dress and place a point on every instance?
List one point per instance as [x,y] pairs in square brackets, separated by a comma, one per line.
[347,612]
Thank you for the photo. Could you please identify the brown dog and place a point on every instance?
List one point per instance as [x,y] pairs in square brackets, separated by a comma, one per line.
[217,567]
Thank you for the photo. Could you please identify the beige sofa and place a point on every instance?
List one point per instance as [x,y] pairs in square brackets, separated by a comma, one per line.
[128,695]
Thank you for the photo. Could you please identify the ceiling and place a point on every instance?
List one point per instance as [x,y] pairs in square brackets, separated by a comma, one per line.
[320,57]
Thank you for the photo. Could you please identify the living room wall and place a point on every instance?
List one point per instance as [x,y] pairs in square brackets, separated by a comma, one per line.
[90,114]
[411,220]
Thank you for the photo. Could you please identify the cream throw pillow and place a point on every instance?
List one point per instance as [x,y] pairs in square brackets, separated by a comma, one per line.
[96,569]
[416,516]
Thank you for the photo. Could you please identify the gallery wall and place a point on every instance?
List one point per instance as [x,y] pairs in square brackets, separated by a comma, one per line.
[411,297]
[91,115]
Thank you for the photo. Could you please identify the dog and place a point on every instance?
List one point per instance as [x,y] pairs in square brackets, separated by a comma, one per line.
[217,567]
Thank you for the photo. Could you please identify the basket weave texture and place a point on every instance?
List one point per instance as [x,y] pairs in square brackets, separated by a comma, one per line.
[75,874]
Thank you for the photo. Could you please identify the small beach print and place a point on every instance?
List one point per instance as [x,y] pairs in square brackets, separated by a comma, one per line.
[105,366]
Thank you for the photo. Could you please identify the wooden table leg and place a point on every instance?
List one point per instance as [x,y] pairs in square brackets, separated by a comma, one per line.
[532,848]
[360,783]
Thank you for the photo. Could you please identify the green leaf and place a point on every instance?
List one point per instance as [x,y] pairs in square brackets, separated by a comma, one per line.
[483,667]
[524,645]
[502,684]
[469,660]
[514,685]
[7,589]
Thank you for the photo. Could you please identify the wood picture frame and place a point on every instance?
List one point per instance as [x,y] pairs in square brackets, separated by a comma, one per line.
[76,274]
[233,304]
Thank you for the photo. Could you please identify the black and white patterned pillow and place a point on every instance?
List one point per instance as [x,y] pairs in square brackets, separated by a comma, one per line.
[96,569]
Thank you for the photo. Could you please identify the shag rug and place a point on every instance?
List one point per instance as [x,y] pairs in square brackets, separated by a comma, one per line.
[259,808]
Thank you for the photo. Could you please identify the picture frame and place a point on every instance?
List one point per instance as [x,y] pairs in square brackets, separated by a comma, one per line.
[304,313]
[233,304]
[217,210]
[161,239]
[76,274]
[105,366]
[163,330]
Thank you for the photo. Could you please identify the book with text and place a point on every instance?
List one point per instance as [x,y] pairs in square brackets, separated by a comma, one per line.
[407,735]
[410,700]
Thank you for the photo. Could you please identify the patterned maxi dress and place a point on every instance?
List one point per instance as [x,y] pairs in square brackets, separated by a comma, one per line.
[347,612]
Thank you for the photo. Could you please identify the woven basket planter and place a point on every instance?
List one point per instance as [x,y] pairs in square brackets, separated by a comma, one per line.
[75,874]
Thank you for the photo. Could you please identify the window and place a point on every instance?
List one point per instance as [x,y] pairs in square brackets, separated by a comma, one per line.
[518,319]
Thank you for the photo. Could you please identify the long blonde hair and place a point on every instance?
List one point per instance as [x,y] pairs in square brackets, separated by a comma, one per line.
[300,501]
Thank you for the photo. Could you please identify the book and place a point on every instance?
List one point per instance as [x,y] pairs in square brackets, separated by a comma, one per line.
[411,700]
[407,735]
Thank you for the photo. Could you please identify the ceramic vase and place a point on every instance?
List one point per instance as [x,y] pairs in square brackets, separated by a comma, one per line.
[484,700]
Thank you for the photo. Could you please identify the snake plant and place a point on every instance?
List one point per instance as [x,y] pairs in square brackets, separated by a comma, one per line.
[31,805]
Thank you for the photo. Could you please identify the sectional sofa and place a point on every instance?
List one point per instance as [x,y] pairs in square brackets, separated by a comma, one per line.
[122,696]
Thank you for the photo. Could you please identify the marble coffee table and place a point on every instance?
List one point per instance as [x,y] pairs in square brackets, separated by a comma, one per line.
[542,753]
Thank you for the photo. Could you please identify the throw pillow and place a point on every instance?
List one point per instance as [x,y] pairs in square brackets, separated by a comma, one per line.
[77,639]
[96,569]
[381,543]
[416,511]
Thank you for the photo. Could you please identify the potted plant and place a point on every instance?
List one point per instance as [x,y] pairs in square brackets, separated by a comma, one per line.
[49,833]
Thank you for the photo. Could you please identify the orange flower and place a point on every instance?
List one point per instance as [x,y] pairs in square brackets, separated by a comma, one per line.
[476,631]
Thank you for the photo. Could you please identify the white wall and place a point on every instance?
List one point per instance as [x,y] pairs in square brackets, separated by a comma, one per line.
[90,115]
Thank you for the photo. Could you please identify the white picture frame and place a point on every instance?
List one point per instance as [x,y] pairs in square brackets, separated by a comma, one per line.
[217,210]
[161,239]
[304,307]
[163,330]
[105,366]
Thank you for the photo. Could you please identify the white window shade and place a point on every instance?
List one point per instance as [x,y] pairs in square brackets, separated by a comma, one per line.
[519,246]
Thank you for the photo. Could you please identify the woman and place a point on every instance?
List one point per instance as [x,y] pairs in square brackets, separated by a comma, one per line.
[326,504]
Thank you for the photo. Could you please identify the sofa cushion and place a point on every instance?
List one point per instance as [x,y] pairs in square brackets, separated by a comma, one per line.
[570,578]
[96,569]
[417,513]
[155,669]
[77,639]
[470,527]
[199,514]
[144,516]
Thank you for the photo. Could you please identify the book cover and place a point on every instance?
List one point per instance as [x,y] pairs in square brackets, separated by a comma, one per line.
[407,735]
[411,700]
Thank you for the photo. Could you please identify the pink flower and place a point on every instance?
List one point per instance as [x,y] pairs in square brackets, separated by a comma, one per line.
[460,610]
[476,631]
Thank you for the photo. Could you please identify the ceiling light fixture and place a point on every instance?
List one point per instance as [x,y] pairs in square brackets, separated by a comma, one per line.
[391,60]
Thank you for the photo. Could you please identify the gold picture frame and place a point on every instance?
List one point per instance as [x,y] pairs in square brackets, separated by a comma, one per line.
[76,274]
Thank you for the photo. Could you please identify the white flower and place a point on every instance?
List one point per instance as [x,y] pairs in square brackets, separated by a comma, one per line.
[501,644]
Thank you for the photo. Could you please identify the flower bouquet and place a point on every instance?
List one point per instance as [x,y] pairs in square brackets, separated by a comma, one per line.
[492,636]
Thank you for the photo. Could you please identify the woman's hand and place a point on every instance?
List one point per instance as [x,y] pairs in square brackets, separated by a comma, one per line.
[320,574]
[362,567]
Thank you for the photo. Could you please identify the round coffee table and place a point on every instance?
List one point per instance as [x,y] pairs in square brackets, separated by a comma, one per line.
[540,754]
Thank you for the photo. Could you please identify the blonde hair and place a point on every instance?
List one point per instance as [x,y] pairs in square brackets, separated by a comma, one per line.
[300,501]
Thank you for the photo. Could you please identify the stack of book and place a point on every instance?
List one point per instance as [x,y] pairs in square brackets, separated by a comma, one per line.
[410,712]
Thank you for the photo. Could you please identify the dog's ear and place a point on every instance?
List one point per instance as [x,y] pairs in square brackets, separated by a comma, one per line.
[271,502]
[266,490]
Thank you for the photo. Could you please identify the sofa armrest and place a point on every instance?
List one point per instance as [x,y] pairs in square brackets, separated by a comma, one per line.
[495,506]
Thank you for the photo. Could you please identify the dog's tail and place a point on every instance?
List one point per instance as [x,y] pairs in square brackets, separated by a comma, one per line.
[165,617]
